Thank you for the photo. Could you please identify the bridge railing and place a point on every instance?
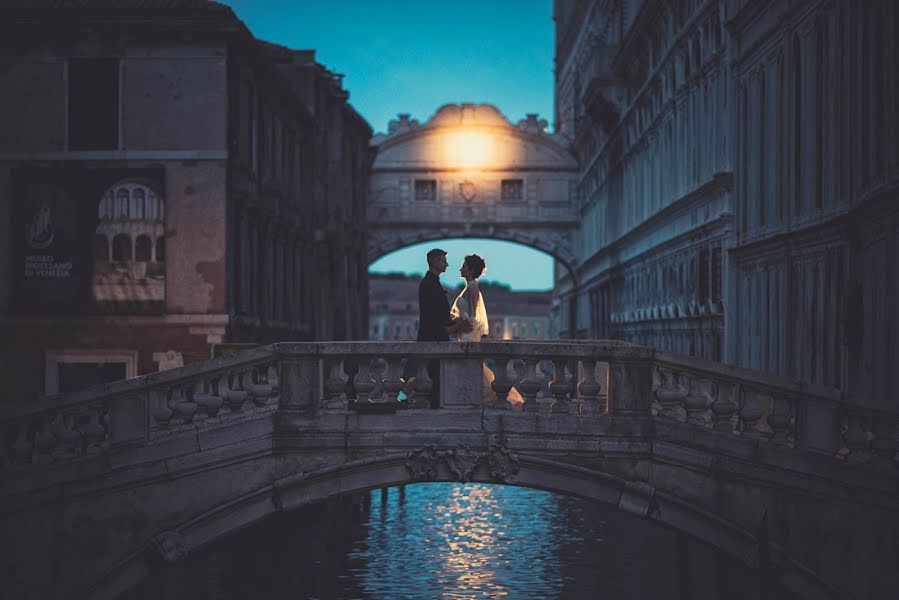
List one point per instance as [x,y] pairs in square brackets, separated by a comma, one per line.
[583,378]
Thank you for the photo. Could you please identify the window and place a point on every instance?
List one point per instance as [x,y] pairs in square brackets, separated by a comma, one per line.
[93,104]
[426,190]
[71,370]
[121,247]
[512,189]
[142,248]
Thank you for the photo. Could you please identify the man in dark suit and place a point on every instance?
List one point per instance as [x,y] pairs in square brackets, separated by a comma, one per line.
[434,321]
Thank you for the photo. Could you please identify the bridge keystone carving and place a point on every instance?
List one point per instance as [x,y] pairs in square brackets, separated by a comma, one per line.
[424,463]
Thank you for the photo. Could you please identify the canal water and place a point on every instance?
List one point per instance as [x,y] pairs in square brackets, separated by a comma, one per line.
[454,541]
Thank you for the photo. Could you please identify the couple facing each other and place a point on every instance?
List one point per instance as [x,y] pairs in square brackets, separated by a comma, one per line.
[466,320]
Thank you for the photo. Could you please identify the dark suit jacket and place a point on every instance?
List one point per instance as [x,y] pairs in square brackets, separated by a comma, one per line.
[433,310]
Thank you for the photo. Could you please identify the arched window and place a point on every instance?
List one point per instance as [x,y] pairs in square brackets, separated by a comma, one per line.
[160,249]
[142,248]
[100,248]
[138,204]
[122,199]
[121,247]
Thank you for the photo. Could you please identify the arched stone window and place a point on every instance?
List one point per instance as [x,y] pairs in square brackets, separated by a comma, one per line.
[121,248]
[100,248]
[142,248]
[160,249]
[123,198]
[138,204]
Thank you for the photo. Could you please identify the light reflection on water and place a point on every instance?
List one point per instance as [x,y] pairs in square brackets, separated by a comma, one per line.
[460,541]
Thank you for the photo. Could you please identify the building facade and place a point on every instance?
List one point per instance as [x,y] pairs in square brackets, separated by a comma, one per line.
[738,182]
[171,187]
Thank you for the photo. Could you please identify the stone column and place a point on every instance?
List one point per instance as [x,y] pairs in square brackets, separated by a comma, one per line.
[630,382]
[300,380]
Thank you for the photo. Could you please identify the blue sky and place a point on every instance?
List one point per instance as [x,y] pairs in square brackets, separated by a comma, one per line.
[404,56]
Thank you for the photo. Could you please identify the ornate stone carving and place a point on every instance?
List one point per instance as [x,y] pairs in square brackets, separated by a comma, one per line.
[169,547]
[422,463]
[462,462]
[503,464]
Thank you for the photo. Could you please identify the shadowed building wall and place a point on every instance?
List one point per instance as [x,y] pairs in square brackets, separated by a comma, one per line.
[170,186]
[738,172]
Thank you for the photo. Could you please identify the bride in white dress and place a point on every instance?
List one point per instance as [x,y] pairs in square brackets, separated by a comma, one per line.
[469,305]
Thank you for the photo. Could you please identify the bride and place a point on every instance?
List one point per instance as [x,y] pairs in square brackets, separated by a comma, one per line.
[469,305]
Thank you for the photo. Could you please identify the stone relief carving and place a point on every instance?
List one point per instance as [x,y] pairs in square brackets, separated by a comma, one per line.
[503,465]
[462,462]
[423,463]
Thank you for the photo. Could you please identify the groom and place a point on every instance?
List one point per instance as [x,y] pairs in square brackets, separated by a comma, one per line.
[434,321]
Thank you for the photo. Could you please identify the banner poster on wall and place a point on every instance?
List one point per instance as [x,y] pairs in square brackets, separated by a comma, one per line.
[88,241]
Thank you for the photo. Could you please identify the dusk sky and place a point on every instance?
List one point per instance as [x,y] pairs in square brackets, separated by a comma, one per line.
[403,56]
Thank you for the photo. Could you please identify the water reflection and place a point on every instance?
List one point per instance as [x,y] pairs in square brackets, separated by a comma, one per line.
[453,541]
[471,541]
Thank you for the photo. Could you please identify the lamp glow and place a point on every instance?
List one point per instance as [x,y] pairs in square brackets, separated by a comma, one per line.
[469,149]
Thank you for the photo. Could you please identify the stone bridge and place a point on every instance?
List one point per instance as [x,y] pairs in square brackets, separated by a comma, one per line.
[107,486]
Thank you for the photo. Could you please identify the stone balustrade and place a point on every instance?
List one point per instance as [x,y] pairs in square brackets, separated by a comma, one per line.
[589,379]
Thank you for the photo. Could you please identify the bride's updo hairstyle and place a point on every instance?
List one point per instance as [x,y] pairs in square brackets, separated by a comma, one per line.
[476,265]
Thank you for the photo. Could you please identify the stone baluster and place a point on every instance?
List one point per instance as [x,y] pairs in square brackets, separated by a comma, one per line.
[670,395]
[501,383]
[184,407]
[260,389]
[393,382]
[423,386]
[161,410]
[93,431]
[334,385]
[725,406]
[560,387]
[530,385]
[588,388]
[232,391]
[544,398]
[698,400]
[363,382]
[780,418]
[207,398]
[856,437]
[884,442]
[751,410]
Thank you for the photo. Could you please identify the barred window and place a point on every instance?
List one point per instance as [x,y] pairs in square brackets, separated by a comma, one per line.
[426,190]
[512,189]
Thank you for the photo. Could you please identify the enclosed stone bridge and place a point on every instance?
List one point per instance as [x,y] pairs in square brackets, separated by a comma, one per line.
[105,487]
[469,172]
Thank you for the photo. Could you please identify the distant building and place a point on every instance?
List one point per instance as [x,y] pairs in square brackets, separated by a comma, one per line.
[171,187]
[393,312]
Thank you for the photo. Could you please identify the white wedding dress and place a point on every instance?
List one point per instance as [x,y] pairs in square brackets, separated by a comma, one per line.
[476,313]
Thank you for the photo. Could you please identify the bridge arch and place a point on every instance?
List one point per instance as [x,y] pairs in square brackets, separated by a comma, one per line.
[301,489]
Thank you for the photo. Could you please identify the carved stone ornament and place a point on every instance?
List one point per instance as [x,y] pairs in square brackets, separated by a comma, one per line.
[503,464]
[169,547]
[468,190]
[422,463]
[462,462]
